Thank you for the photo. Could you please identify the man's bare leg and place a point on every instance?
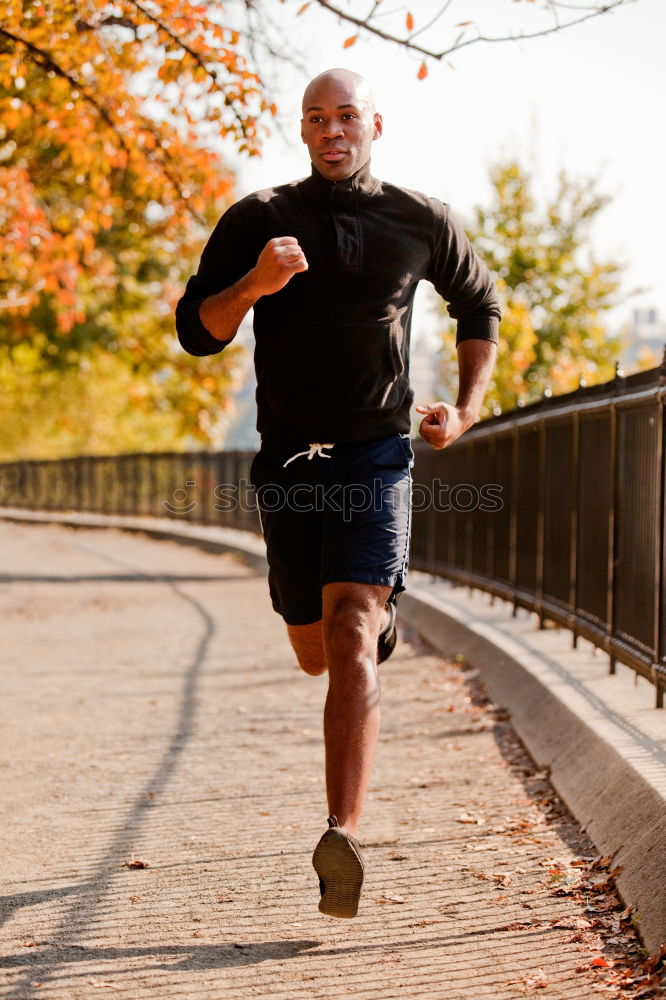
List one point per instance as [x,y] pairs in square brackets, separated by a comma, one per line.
[353,614]
[308,644]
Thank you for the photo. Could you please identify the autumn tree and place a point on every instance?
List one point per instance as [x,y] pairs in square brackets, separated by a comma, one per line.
[89,93]
[107,189]
[117,379]
[555,292]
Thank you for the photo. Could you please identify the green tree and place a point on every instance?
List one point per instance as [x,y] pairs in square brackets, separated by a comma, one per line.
[554,291]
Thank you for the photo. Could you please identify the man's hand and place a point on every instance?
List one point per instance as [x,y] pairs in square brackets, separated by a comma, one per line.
[443,423]
[278,262]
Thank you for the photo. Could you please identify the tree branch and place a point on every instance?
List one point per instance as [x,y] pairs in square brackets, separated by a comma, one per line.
[46,61]
[175,38]
[200,61]
[365,24]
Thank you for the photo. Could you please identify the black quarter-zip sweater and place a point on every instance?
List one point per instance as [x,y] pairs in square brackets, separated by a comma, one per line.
[332,347]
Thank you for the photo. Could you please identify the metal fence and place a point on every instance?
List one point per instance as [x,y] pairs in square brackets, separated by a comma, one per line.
[558,507]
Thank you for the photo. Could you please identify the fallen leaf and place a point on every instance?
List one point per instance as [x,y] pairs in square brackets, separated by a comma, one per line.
[390,898]
[571,923]
[349,41]
[537,980]
[423,72]
[136,863]
[468,818]
[600,962]
[601,884]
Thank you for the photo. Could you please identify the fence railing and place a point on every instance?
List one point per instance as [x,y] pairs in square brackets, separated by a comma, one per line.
[557,507]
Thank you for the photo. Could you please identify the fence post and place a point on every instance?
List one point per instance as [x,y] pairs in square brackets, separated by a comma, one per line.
[541,519]
[616,452]
[575,501]
[513,515]
[659,674]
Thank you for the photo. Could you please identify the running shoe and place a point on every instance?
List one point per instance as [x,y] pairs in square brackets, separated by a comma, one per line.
[339,865]
[388,637]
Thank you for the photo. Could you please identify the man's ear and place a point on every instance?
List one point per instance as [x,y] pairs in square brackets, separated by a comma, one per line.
[379,126]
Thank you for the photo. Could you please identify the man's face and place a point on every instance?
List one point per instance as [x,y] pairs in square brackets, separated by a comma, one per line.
[339,125]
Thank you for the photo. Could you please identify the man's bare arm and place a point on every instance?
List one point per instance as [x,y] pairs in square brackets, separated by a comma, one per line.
[278,262]
[444,423]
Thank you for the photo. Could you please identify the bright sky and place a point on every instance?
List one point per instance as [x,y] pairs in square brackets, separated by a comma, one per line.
[590,99]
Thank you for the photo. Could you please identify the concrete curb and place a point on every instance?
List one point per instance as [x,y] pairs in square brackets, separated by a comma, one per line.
[611,775]
[617,797]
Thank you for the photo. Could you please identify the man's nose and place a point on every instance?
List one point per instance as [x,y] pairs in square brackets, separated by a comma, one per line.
[333,129]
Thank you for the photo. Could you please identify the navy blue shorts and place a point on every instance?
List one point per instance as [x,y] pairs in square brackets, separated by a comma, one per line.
[341,518]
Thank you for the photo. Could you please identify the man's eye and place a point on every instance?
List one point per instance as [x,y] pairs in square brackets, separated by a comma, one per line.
[349,115]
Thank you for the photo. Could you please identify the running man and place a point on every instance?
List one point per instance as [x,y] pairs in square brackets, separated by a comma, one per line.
[330,264]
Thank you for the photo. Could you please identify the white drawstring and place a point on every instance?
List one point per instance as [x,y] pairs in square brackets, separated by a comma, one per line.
[315,449]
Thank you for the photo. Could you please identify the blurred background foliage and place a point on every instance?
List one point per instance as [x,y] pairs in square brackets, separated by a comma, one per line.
[555,293]
[107,195]
[111,180]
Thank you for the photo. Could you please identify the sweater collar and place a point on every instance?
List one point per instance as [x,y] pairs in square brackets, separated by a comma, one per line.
[361,184]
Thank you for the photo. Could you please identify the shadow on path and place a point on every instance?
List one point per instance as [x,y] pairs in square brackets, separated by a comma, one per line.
[88,896]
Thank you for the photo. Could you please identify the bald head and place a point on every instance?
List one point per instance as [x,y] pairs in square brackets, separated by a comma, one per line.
[339,122]
[355,85]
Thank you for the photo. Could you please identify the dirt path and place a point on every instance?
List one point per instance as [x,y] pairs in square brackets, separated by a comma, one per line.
[153,715]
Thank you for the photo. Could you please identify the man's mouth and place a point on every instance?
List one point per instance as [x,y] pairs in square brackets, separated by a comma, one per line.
[333,155]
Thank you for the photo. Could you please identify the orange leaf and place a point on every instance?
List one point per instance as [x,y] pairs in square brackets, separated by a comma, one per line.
[410,21]
[423,71]
[302,8]
[600,961]
[349,41]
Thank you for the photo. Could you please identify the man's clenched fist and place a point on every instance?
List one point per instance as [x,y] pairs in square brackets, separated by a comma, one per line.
[278,262]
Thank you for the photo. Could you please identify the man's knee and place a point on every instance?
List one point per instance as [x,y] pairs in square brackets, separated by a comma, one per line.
[350,629]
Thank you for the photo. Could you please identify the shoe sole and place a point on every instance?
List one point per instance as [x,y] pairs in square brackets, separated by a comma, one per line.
[340,868]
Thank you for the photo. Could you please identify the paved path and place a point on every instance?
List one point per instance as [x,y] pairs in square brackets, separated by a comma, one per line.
[152,712]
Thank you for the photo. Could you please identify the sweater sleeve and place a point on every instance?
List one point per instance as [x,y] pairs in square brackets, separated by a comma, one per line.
[230,252]
[464,282]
